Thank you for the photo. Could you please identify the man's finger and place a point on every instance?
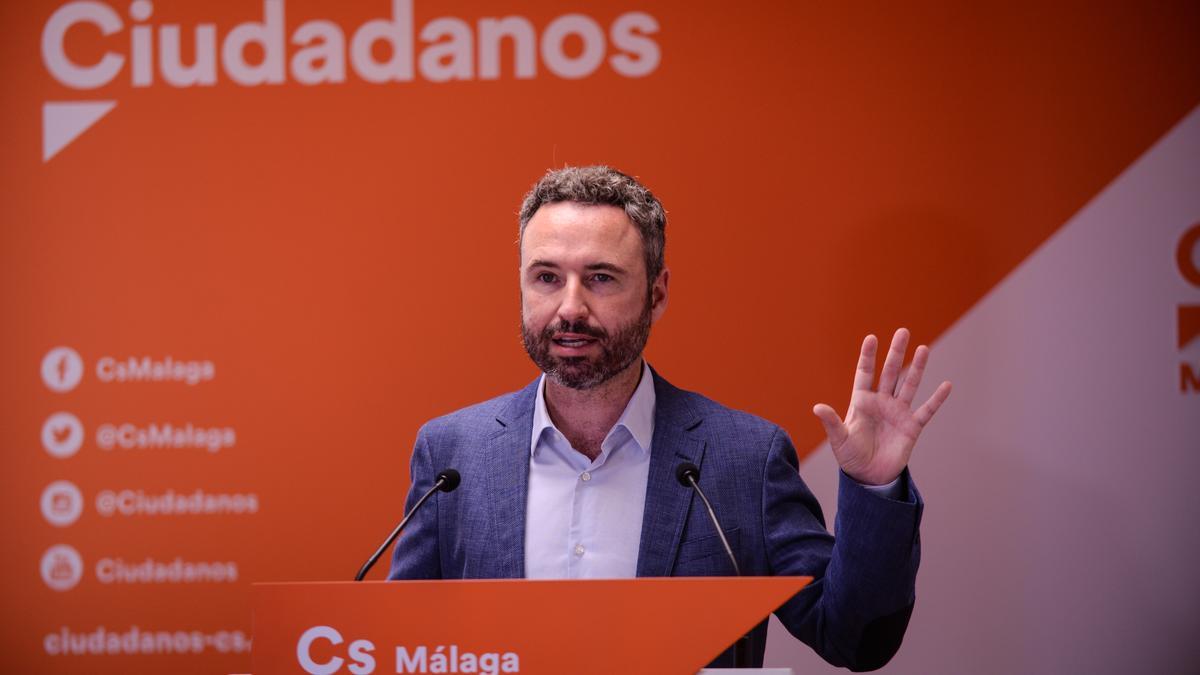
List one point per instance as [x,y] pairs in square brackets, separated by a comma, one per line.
[893,362]
[912,377]
[926,411]
[865,373]
[834,429]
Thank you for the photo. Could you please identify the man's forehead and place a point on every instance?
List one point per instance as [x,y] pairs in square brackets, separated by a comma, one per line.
[569,229]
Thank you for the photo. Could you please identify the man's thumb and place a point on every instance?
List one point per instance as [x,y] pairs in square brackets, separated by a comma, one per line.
[834,429]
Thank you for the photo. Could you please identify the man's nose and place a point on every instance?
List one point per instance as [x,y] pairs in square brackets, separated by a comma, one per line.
[574,302]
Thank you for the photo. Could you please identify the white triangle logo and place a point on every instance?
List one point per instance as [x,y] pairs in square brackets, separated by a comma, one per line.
[64,122]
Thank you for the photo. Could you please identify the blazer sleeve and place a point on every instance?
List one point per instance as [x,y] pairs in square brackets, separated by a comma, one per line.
[416,552]
[856,611]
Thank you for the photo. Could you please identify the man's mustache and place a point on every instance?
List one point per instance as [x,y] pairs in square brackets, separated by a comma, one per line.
[578,327]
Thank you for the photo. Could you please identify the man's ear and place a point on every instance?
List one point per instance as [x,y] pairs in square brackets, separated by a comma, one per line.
[659,294]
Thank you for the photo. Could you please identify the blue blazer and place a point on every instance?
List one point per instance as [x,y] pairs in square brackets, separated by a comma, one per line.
[855,612]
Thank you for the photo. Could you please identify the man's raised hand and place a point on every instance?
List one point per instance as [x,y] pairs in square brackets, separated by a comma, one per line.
[875,441]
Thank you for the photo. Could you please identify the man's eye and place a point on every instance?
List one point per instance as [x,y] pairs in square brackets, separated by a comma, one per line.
[546,278]
[602,278]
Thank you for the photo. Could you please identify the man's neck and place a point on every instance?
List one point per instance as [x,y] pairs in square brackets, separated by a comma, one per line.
[585,416]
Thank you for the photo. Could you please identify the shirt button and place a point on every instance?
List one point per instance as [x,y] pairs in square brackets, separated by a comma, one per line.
[586,476]
[578,549]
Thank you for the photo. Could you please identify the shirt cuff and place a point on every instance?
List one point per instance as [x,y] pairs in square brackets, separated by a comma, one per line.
[892,490]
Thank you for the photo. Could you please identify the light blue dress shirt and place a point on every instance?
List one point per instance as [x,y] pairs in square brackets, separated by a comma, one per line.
[584,517]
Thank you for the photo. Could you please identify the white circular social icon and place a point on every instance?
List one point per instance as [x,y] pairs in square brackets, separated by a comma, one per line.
[62,369]
[62,503]
[62,435]
[62,568]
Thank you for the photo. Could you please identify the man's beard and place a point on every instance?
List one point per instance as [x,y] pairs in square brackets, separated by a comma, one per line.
[617,352]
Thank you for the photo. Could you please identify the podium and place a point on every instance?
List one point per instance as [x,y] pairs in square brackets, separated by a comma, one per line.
[649,625]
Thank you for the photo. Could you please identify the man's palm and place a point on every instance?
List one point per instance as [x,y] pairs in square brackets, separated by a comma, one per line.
[874,443]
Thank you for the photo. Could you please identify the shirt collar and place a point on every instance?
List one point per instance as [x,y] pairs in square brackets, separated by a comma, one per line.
[637,418]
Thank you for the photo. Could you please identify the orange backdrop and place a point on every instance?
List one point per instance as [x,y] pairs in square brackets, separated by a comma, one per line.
[344,253]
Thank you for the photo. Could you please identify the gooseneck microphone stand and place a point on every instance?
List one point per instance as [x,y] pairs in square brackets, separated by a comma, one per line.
[446,481]
[687,474]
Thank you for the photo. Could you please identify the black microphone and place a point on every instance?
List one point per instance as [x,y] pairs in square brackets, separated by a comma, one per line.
[446,481]
[687,474]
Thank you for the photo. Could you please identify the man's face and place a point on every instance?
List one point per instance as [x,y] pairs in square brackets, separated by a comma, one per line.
[585,306]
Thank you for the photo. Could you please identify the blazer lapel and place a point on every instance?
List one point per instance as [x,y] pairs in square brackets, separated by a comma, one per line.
[667,502]
[507,458]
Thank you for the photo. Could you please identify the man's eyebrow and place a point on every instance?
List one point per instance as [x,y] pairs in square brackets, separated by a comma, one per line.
[538,262]
[605,266]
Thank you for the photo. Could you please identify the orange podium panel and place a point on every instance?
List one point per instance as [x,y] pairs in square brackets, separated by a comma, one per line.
[659,625]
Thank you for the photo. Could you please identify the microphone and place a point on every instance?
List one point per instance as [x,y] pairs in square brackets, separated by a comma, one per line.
[447,480]
[687,474]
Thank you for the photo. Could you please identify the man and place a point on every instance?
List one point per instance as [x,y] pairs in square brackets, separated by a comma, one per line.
[573,476]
